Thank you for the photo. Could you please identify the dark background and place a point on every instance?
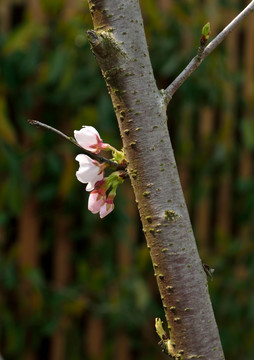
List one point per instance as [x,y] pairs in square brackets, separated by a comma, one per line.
[73,286]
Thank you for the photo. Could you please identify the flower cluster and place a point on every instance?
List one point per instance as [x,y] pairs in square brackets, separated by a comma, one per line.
[91,172]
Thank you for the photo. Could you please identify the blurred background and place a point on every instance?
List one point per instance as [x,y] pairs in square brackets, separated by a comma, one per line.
[73,286]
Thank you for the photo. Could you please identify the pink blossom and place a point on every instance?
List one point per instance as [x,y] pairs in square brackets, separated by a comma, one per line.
[107,207]
[95,201]
[89,171]
[89,138]
[98,203]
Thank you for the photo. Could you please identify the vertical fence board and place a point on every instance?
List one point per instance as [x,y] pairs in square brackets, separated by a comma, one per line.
[125,259]
[94,338]
[246,162]
[34,10]
[5,15]
[71,8]
[204,208]
[61,277]
[227,131]
[202,211]
[122,351]
[184,162]
[164,4]
[28,245]
[28,235]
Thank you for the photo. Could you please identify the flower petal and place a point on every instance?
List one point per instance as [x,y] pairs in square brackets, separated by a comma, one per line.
[105,209]
[90,186]
[95,201]
[89,171]
[88,137]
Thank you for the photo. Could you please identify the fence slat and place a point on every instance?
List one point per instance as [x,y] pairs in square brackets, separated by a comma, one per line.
[28,255]
[94,341]
[223,218]
[61,277]
[202,217]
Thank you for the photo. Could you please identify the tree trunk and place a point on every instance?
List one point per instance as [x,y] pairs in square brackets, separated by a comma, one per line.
[119,45]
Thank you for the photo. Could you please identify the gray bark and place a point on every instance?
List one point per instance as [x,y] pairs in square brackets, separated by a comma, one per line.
[119,45]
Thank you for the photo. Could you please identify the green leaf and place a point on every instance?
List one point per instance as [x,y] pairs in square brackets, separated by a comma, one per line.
[206,31]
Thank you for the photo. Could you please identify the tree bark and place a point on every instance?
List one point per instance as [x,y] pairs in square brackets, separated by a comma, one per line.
[119,45]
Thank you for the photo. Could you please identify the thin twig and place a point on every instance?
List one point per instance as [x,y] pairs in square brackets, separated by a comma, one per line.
[197,60]
[92,155]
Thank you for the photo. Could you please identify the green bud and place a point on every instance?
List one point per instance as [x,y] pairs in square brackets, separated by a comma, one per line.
[159,329]
[206,31]
[118,156]
[113,180]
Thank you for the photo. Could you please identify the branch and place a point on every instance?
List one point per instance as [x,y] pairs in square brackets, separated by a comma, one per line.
[92,155]
[197,60]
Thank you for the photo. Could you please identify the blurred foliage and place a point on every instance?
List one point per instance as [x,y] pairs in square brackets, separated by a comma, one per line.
[48,73]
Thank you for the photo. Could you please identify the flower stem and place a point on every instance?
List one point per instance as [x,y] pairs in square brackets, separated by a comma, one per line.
[94,156]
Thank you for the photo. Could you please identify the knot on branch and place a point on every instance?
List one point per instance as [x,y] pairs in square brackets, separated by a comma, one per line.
[98,44]
[104,45]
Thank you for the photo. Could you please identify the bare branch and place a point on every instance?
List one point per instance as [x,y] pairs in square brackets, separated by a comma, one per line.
[197,60]
[92,155]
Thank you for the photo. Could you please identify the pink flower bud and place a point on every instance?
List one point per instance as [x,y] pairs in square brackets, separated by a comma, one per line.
[107,207]
[89,138]
[89,171]
[95,201]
